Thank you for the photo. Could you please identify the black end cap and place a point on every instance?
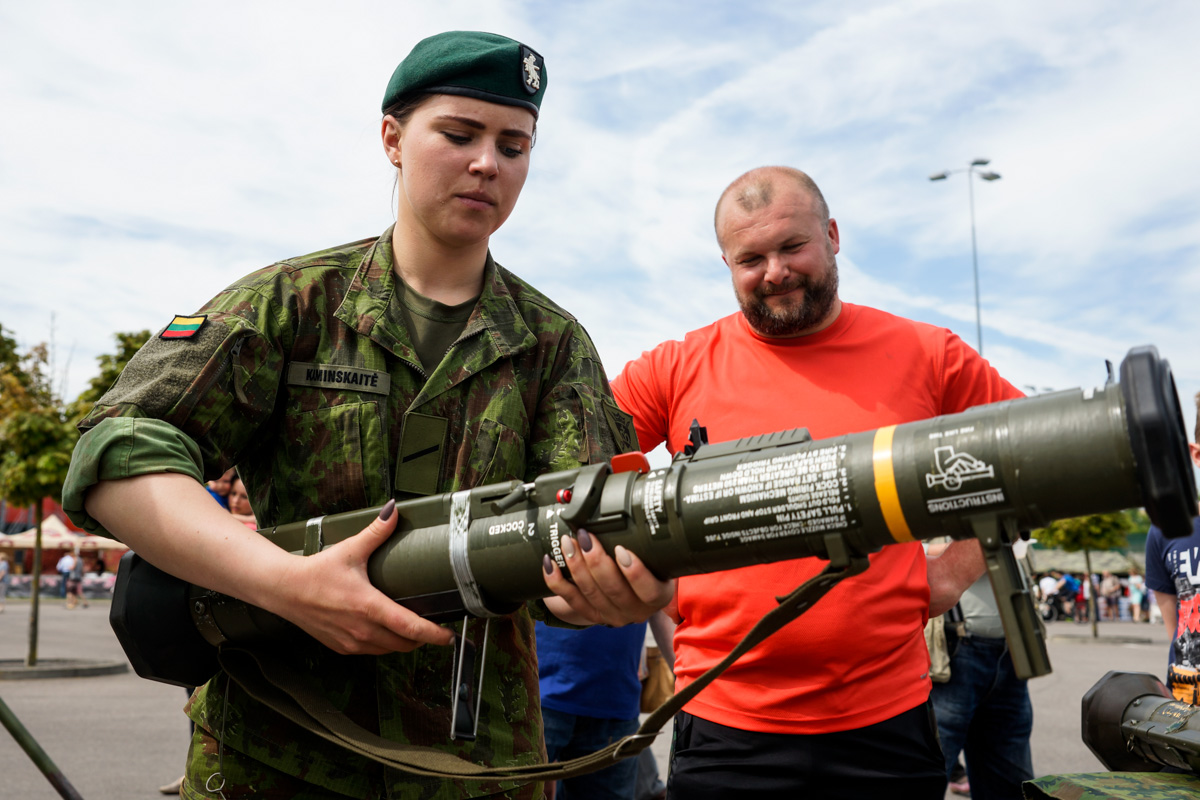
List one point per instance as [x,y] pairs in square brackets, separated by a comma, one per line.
[154,625]
[1104,711]
[1159,441]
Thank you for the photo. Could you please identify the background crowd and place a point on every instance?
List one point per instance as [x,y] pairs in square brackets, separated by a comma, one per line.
[1119,597]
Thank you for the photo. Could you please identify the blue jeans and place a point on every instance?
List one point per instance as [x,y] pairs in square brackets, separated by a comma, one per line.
[570,736]
[984,711]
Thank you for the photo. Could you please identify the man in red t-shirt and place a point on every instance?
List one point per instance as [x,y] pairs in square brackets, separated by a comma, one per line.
[835,704]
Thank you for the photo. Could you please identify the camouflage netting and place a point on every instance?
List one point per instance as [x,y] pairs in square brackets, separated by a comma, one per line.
[1114,786]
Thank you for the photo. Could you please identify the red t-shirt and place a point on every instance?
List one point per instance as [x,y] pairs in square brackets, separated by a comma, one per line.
[858,656]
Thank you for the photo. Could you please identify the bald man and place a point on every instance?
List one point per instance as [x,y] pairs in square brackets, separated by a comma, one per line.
[837,703]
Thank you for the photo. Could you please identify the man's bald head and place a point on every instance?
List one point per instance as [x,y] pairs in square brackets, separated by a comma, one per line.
[757,189]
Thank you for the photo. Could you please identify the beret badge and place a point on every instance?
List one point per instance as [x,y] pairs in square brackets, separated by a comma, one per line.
[531,70]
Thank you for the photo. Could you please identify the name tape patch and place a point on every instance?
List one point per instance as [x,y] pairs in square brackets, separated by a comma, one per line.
[336,376]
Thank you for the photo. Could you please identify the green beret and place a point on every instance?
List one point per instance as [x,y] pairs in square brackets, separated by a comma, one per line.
[472,64]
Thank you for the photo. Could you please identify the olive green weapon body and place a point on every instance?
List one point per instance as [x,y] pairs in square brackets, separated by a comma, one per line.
[991,473]
[1132,723]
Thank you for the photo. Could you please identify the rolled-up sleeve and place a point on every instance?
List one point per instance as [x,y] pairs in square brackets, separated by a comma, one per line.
[124,447]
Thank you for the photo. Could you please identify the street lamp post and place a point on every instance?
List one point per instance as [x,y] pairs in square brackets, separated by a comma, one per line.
[972,169]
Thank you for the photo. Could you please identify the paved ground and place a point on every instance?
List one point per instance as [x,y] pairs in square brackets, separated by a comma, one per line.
[119,736]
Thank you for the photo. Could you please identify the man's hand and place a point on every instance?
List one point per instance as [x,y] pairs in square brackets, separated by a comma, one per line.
[605,590]
[329,596]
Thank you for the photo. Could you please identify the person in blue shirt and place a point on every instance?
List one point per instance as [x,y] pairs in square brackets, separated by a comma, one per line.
[219,489]
[1068,587]
[1173,572]
[591,697]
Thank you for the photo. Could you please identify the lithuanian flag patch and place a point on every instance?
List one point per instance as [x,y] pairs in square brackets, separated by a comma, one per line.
[183,327]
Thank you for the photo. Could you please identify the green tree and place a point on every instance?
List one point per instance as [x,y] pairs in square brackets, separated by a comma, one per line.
[111,365]
[12,379]
[8,351]
[36,440]
[24,380]
[1140,521]
[1093,532]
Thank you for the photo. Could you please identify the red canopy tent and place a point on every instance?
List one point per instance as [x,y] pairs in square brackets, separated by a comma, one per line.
[57,539]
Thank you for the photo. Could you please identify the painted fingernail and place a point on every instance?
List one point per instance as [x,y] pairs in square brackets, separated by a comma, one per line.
[385,513]
[548,565]
[585,541]
[623,557]
[568,547]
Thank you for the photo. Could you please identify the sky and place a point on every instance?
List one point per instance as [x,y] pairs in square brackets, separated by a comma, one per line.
[152,153]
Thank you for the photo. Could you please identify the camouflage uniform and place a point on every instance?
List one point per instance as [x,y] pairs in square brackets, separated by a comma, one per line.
[1113,786]
[522,391]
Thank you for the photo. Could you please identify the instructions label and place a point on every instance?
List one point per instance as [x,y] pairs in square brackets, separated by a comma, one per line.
[803,492]
[962,474]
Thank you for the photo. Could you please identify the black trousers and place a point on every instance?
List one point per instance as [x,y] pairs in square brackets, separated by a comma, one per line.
[898,758]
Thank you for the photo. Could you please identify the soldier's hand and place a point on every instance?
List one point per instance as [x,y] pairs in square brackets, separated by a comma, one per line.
[329,595]
[610,590]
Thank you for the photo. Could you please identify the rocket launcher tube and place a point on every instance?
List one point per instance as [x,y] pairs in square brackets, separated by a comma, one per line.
[989,472]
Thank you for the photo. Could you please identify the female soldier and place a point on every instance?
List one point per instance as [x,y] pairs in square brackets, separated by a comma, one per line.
[393,367]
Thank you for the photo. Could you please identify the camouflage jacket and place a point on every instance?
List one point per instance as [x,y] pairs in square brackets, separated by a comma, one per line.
[303,375]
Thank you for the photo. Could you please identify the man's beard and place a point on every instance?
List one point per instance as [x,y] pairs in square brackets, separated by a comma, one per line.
[796,317]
